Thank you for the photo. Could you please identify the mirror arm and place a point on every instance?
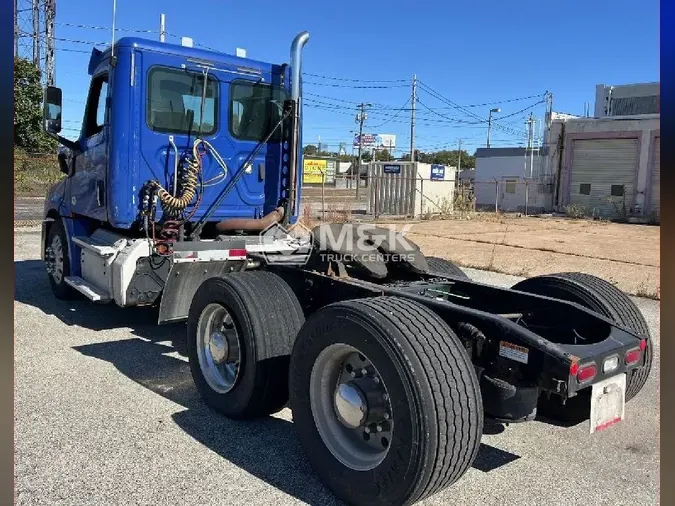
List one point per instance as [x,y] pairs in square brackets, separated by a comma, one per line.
[74,146]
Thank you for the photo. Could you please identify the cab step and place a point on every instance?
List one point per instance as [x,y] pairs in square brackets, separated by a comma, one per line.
[90,291]
[102,248]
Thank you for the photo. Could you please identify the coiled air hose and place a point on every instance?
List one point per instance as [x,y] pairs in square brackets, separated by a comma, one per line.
[188,187]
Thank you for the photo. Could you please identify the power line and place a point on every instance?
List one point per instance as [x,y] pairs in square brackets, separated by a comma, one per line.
[107,28]
[519,112]
[447,117]
[356,80]
[356,86]
[396,114]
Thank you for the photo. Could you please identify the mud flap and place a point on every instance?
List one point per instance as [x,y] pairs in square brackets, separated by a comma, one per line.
[183,281]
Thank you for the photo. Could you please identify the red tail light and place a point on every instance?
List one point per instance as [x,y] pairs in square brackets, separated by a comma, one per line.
[586,373]
[632,356]
[574,368]
[237,252]
[643,345]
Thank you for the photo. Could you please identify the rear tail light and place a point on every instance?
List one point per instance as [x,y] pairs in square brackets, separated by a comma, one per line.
[632,357]
[237,253]
[643,345]
[586,373]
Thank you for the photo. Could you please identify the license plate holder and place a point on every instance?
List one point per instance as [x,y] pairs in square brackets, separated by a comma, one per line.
[608,402]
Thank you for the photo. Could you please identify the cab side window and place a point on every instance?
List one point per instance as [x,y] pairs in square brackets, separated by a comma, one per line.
[96,106]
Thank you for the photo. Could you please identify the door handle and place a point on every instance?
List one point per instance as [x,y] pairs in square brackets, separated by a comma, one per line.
[99,193]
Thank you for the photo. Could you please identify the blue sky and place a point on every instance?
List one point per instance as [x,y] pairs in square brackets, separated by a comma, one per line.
[470,53]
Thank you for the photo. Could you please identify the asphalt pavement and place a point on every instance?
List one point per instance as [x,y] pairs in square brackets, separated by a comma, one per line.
[106,413]
[28,208]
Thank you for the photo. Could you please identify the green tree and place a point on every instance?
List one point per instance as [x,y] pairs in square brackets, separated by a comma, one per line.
[383,156]
[310,150]
[28,132]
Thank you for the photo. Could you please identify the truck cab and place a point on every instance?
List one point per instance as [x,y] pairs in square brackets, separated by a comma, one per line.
[148,103]
[177,145]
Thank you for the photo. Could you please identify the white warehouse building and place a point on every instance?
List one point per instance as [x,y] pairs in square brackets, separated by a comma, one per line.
[608,166]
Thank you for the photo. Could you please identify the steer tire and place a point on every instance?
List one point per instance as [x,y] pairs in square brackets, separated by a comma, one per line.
[267,316]
[435,401]
[442,266]
[604,298]
[61,290]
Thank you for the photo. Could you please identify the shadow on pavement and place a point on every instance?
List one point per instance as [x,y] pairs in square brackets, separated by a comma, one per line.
[32,288]
[267,448]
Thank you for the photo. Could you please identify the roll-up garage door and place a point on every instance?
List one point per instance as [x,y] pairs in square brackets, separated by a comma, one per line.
[603,175]
[655,204]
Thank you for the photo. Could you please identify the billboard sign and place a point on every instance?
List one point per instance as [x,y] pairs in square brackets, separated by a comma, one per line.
[318,170]
[379,141]
[437,172]
[392,169]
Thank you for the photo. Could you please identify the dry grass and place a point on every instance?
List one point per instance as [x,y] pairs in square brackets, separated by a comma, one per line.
[626,255]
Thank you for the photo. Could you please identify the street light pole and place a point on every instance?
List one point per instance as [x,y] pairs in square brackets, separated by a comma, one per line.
[490,123]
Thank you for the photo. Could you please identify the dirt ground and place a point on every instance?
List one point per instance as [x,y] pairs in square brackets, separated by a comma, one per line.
[626,255]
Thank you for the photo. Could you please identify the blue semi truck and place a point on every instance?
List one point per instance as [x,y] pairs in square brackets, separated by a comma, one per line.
[183,191]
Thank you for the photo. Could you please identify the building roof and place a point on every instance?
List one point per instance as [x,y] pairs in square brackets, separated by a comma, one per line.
[494,152]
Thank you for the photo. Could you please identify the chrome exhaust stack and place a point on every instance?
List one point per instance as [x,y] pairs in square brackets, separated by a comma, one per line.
[296,96]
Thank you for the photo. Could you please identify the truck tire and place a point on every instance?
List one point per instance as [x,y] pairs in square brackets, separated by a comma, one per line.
[241,329]
[407,428]
[58,265]
[604,298]
[442,266]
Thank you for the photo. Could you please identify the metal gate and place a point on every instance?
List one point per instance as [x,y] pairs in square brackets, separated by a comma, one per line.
[392,188]
[603,175]
[655,184]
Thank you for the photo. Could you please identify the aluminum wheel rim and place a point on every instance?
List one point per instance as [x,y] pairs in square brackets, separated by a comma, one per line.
[218,348]
[365,446]
[56,260]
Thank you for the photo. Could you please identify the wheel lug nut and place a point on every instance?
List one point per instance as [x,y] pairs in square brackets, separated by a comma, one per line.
[353,374]
[364,371]
[379,428]
[386,416]
[367,430]
[376,379]
[385,397]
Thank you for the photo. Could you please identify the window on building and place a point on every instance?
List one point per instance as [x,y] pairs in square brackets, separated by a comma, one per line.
[585,189]
[255,108]
[175,101]
[96,106]
[617,190]
[510,186]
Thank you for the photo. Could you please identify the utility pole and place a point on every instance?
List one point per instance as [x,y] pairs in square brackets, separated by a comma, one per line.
[162,27]
[459,157]
[16,28]
[318,150]
[50,15]
[412,118]
[360,118]
[36,33]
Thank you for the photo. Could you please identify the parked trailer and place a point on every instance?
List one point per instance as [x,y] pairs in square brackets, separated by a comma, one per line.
[391,361]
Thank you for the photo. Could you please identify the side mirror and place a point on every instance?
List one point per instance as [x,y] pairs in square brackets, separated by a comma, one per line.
[52,110]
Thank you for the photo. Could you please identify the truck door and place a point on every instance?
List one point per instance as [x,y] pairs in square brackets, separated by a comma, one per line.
[86,188]
[171,97]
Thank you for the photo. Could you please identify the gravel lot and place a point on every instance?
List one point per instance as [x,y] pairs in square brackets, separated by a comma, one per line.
[106,413]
